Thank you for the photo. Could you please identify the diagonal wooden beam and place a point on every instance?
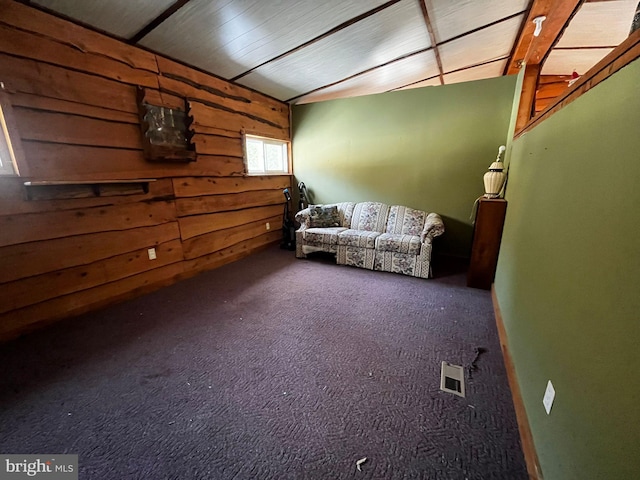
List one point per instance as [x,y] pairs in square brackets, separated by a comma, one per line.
[558,18]
[336,29]
[157,21]
[523,43]
[533,50]
[432,37]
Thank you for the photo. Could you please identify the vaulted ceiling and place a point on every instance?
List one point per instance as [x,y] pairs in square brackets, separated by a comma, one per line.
[303,51]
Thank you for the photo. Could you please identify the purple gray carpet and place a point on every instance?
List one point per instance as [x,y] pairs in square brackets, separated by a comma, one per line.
[270,368]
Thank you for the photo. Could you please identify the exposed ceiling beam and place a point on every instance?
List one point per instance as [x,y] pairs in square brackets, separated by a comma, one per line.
[533,50]
[482,27]
[432,37]
[359,74]
[144,31]
[433,46]
[557,20]
[336,29]
[461,69]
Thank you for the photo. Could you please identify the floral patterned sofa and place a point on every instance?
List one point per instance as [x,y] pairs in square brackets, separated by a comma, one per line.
[370,235]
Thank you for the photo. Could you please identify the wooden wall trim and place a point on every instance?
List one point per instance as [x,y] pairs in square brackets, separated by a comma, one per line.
[622,55]
[526,439]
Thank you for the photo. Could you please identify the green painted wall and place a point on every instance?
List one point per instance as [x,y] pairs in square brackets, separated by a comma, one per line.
[568,281]
[426,148]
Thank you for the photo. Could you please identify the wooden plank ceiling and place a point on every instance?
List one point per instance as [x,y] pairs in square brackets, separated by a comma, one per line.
[304,51]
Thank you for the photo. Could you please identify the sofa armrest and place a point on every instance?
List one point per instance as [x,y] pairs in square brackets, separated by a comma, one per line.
[433,227]
[303,218]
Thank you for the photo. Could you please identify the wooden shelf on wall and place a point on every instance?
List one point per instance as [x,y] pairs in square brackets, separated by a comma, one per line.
[63,189]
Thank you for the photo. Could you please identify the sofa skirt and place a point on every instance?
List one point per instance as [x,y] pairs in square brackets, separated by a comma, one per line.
[317,240]
[405,263]
[355,256]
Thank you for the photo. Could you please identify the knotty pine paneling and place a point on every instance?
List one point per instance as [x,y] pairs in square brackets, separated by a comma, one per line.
[82,39]
[42,226]
[549,88]
[13,196]
[39,314]
[218,145]
[232,253]
[199,128]
[74,93]
[68,129]
[186,82]
[23,44]
[208,117]
[35,258]
[21,293]
[58,161]
[38,78]
[199,186]
[221,239]
[221,165]
[47,104]
[201,224]
[233,201]
[47,161]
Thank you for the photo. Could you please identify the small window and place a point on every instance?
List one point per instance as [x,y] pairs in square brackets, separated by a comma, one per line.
[266,156]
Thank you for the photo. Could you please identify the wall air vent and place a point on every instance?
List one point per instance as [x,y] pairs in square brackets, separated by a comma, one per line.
[452,379]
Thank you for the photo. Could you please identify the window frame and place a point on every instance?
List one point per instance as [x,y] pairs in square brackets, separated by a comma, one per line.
[266,140]
[10,146]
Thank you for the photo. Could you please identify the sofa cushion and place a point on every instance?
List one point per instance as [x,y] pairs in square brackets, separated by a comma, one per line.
[323,216]
[405,220]
[395,242]
[358,238]
[370,216]
[345,210]
[322,236]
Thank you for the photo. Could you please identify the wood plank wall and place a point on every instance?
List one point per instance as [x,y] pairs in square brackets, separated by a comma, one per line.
[549,88]
[73,93]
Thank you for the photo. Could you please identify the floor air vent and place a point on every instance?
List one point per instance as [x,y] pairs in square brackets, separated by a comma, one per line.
[452,379]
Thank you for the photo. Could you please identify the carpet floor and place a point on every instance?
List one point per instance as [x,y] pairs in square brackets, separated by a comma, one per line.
[270,368]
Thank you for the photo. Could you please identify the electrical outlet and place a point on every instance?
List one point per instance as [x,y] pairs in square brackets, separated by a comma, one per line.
[152,253]
[268,225]
[549,396]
